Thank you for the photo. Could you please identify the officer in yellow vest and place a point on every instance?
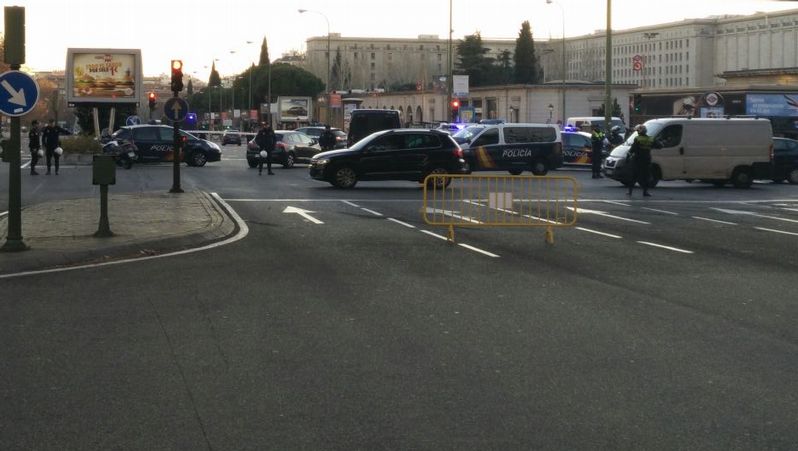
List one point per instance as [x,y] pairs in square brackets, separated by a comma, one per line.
[640,155]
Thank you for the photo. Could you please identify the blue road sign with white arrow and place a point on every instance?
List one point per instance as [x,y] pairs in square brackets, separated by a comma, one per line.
[19,93]
[175,109]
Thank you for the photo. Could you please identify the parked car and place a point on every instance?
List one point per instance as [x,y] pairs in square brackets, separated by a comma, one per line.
[155,143]
[315,133]
[231,136]
[291,147]
[397,154]
[512,147]
[365,122]
[785,160]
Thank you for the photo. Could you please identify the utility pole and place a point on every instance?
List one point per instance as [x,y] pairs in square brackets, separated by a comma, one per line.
[608,70]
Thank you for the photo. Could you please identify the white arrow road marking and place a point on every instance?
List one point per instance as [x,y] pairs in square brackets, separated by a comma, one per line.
[751,213]
[605,214]
[17,97]
[303,213]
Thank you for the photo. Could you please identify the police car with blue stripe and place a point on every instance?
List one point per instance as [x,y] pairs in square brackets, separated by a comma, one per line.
[511,147]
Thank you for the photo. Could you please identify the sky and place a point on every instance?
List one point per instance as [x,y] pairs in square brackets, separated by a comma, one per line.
[200,32]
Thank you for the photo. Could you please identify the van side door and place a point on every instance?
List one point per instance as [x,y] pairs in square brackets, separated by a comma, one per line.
[669,152]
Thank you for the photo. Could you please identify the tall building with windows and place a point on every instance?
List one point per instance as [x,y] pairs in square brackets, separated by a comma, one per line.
[387,63]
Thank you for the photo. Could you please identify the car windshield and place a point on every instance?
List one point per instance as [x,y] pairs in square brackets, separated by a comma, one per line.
[468,133]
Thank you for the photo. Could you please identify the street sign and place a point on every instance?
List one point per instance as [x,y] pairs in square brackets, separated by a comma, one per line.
[132,120]
[175,109]
[19,93]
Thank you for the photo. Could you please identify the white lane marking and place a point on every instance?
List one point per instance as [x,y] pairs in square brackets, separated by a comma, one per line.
[661,211]
[475,249]
[3,213]
[598,233]
[750,213]
[410,226]
[375,213]
[511,212]
[243,231]
[435,235]
[661,246]
[606,215]
[776,231]
[304,213]
[452,214]
[351,204]
[615,203]
[714,220]
[790,209]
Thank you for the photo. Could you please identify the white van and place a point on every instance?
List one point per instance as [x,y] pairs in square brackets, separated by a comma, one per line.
[511,147]
[576,123]
[713,150]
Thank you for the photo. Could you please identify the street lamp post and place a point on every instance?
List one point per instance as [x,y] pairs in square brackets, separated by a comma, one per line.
[327,83]
[562,12]
[608,71]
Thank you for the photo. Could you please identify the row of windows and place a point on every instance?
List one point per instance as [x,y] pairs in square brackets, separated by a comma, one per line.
[652,46]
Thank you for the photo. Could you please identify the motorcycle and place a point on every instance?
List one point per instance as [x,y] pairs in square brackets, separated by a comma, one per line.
[125,153]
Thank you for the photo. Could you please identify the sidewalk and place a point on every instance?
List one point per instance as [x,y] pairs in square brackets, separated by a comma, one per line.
[61,233]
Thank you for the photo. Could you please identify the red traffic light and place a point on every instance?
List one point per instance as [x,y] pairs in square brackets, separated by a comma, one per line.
[455,103]
[177,65]
[152,96]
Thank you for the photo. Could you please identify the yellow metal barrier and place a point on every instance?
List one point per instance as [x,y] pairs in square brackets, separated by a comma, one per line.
[500,201]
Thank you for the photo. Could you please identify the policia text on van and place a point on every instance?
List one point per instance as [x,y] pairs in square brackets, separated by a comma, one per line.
[712,150]
[511,147]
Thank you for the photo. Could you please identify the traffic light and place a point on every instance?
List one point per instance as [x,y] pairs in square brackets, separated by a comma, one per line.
[637,103]
[455,109]
[177,75]
[152,98]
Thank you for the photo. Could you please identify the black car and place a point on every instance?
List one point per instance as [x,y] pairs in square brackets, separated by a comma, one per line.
[403,154]
[291,147]
[155,143]
[785,160]
[365,122]
[315,133]
[231,136]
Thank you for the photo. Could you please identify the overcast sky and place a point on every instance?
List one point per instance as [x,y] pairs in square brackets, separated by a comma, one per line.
[200,31]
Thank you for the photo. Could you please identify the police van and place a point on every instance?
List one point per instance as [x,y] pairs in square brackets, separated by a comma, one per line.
[712,150]
[511,147]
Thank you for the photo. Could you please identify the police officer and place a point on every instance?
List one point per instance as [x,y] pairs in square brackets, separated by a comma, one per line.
[327,139]
[51,140]
[34,144]
[265,140]
[640,154]
[597,139]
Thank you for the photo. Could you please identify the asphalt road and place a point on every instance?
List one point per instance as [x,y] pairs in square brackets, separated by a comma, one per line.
[664,323]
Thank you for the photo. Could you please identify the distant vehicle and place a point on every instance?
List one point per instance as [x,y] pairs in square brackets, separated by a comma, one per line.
[155,143]
[291,147]
[365,122]
[315,133]
[785,160]
[397,154]
[576,123]
[231,136]
[512,147]
[450,128]
[713,150]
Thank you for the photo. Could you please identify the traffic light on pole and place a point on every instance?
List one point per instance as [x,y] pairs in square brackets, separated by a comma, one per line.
[637,103]
[177,75]
[152,98]
[455,110]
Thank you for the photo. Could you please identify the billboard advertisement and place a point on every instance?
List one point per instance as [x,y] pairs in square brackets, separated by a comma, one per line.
[460,85]
[772,105]
[103,76]
[294,108]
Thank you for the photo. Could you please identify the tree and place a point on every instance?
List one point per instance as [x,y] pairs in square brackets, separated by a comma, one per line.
[616,109]
[214,79]
[264,54]
[527,67]
[189,88]
[472,60]
[505,66]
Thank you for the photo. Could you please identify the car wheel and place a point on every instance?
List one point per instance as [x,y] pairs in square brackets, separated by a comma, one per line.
[515,171]
[440,182]
[252,162]
[344,177]
[539,167]
[792,176]
[198,159]
[127,164]
[741,178]
[289,161]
